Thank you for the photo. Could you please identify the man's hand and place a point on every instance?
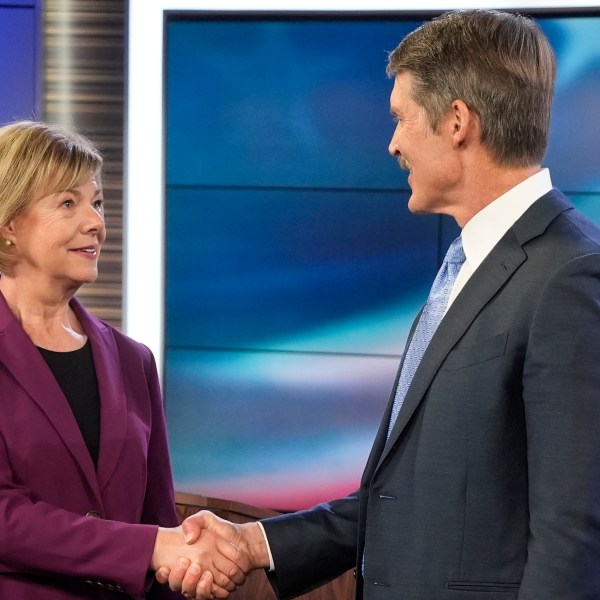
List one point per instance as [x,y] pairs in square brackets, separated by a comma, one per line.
[243,545]
[247,537]
[211,562]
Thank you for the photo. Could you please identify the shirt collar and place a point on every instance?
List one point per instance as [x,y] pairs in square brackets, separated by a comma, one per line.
[488,226]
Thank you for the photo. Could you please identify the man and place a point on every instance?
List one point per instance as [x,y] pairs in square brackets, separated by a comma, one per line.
[484,478]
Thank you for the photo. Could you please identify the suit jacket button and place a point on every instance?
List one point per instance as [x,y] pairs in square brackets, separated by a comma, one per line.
[94,514]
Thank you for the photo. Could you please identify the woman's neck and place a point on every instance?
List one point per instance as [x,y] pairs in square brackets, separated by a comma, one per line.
[45,315]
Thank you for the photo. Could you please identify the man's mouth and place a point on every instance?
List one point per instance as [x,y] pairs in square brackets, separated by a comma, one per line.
[404,164]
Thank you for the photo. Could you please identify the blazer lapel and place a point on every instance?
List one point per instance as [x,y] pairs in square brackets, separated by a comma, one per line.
[113,406]
[498,267]
[28,368]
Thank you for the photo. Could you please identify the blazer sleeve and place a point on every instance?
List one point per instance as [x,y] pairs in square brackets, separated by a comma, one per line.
[79,544]
[159,503]
[561,394]
[311,547]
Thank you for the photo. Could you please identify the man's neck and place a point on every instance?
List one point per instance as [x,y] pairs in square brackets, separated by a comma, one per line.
[487,184]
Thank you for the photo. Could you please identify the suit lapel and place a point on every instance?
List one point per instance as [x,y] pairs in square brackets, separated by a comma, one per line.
[113,406]
[497,268]
[28,368]
[381,436]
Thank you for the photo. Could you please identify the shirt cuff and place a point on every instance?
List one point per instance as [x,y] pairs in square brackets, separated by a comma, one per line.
[271,563]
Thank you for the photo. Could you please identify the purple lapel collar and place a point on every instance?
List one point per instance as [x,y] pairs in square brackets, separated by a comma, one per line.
[25,363]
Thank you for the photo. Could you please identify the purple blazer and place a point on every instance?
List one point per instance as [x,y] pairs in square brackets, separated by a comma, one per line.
[68,530]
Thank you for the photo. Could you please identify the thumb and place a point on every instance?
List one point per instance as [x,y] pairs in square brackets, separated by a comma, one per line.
[192,527]
[221,527]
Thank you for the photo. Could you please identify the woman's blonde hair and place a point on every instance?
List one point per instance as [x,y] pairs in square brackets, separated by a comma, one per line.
[36,160]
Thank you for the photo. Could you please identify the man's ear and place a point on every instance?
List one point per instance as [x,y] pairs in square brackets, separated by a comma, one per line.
[464,123]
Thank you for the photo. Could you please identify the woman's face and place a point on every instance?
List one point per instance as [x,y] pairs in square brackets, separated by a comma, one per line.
[58,239]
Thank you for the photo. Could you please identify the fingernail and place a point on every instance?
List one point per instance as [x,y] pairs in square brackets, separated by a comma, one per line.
[195,569]
[188,537]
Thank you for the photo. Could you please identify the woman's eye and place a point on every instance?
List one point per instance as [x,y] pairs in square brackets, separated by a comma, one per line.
[99,205]
[68,203]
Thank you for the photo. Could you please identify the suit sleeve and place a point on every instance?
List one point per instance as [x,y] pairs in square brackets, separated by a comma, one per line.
[561,392]
[312,547]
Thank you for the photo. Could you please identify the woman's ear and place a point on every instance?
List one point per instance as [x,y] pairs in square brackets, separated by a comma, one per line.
[7,234]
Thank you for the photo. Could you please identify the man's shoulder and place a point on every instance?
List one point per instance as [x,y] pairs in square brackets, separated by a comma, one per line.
[557,220]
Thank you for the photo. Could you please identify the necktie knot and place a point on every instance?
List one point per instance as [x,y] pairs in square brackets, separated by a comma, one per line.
[455,253]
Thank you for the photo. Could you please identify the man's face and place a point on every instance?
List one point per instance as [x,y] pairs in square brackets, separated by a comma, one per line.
[427,155]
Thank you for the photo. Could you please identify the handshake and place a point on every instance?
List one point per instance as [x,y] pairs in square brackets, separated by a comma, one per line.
[208,557]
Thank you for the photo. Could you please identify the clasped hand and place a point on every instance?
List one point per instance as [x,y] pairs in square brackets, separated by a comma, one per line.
[207,557]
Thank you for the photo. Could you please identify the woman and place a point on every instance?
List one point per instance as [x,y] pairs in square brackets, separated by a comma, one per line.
[84,465]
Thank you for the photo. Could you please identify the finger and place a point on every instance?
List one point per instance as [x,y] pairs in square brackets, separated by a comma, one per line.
[177,574]
[219,592]
[162,575]
[222,580]
[191,579]
[207,588]
[227,572]
[204,587]
[238,557]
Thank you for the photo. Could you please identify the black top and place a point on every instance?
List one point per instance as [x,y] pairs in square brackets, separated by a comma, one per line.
[76,375]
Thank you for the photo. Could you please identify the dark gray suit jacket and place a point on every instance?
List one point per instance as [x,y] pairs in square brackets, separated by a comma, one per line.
[489,486]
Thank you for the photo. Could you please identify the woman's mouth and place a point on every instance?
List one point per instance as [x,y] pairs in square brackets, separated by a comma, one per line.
[88,250]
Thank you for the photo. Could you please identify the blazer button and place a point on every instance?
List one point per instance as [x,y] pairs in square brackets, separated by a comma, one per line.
[94,514]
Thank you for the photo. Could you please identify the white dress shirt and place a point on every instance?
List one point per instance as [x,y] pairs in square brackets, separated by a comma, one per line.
[488,226]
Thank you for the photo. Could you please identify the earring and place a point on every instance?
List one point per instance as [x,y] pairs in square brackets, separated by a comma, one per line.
[8,242]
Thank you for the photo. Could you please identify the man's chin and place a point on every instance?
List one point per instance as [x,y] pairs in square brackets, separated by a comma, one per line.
[416,206]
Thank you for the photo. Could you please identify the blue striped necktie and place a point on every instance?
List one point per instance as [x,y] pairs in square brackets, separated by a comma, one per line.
[430,318]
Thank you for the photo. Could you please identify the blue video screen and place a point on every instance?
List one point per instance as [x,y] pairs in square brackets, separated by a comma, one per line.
[293,266]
